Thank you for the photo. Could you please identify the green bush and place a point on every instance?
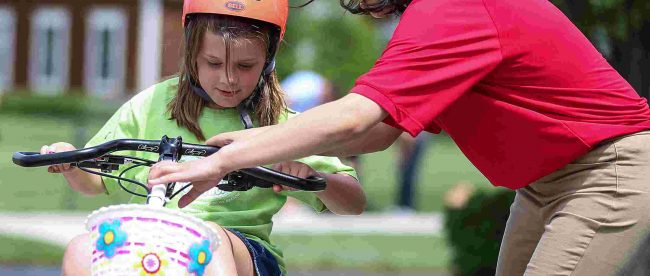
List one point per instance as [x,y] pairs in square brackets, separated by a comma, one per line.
[475,230]
[68,105]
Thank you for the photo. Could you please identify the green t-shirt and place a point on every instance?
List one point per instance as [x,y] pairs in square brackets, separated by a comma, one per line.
[250,212]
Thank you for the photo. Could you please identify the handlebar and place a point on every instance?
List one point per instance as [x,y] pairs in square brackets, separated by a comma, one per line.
[264,176]
[34,159]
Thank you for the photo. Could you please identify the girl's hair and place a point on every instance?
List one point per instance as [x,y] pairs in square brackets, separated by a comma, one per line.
[353,6]
[268,98]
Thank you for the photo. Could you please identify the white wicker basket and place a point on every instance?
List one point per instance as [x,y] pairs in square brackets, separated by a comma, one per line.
[132,239]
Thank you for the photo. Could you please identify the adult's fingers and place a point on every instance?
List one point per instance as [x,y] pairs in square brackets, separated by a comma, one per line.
[167,172]
[189,197]
[197,189]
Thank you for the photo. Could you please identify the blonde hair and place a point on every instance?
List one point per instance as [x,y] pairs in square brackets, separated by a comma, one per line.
[186,106]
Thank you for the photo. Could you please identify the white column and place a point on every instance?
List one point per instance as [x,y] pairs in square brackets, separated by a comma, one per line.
[7,47]
[49,57]
[149,43]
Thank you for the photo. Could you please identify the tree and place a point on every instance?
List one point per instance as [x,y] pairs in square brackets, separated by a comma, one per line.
[621,30]
[323,38]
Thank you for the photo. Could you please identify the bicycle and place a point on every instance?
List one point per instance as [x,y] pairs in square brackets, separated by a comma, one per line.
[147,239]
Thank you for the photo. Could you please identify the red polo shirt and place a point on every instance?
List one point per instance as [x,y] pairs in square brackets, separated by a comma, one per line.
[514,83]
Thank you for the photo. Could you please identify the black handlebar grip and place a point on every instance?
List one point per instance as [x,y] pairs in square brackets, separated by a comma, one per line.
[28,159]
[312,183]
[35,159]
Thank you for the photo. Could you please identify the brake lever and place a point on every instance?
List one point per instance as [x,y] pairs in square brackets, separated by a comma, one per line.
[238,181]
[106,164]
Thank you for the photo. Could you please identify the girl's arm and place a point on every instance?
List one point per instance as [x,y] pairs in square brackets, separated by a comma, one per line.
[343,194]
[80,181]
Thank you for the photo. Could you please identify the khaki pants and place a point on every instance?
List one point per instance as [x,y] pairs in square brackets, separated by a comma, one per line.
[584,219]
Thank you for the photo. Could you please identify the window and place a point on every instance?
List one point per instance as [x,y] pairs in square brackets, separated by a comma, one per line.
[7,47]
[49,50]
[105,56]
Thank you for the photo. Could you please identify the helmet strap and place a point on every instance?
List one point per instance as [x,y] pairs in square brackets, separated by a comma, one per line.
[254,98]
[198,90]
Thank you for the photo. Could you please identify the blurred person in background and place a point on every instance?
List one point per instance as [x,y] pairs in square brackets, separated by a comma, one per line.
[410,151]
[525,96]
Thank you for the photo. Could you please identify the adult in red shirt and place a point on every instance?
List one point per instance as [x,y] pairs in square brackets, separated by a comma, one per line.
[526,97]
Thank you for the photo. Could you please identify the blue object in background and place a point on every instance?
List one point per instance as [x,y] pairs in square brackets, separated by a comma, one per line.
[304,90]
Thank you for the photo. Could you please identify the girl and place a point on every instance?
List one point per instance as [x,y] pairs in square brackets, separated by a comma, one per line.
[227,82]
[526,97]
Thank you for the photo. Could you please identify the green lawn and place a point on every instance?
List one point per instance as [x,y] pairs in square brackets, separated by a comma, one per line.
[20,251]
[364,251]
[35,189]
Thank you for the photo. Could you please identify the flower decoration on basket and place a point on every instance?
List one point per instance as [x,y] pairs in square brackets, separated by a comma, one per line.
[110,237]
[151,263]
[200,256]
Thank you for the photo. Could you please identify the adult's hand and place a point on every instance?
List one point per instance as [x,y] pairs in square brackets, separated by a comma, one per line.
[204,174]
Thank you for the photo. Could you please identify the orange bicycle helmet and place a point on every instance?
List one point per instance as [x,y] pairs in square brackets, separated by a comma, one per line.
[270,11]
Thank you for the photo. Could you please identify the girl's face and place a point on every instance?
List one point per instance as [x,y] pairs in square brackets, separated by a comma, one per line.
[229,76]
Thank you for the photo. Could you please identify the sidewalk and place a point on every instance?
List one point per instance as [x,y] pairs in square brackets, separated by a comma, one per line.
[59,228]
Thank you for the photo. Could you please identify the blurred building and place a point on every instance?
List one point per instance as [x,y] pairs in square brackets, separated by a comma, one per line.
[106,48]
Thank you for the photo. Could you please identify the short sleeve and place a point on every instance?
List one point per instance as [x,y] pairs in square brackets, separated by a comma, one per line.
[122,125]
[438,52]
[322,164]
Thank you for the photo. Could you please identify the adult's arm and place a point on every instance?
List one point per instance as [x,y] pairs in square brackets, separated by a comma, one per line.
[379,138]
[334,127]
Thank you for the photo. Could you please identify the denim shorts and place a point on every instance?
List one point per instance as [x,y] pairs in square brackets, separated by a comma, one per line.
[264,262]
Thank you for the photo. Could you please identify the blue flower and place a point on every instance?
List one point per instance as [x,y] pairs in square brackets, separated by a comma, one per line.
[110,237]
[200,256]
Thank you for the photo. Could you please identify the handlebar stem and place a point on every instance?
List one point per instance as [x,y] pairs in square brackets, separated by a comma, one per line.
[157,196]
[168,150]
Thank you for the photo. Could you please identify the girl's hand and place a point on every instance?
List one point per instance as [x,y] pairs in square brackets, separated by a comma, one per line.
[55,148]
[204,174]
[294,168]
